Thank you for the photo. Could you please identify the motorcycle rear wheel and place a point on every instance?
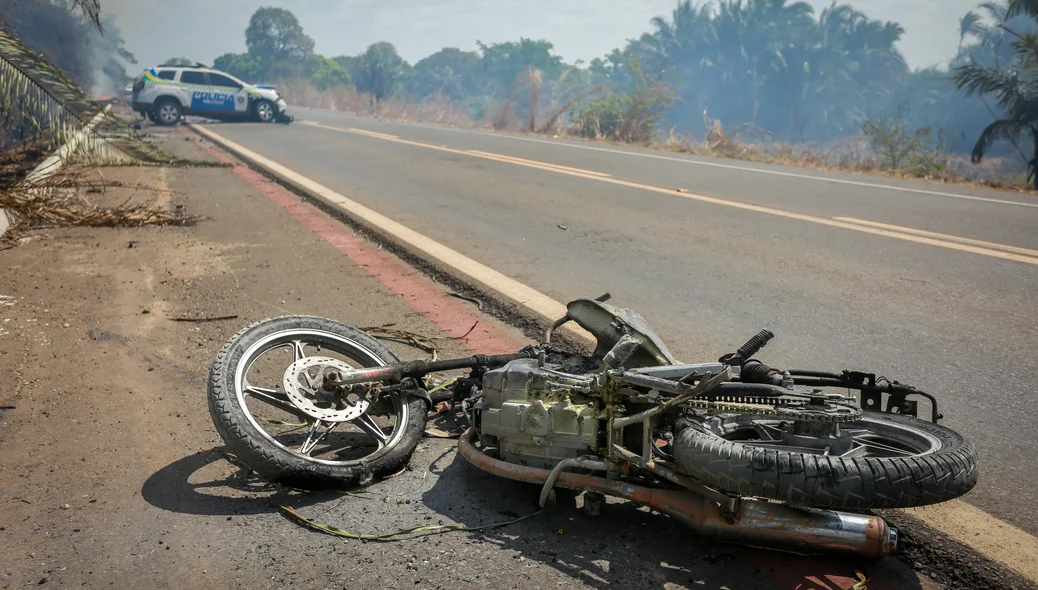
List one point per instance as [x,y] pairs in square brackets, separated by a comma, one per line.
[897,462]
[276,437]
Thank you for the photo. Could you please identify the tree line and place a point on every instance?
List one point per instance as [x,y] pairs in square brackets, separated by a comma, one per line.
[772,68]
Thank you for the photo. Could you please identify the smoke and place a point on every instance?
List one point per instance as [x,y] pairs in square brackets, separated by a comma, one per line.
[580,29]
[107,59]
[200,30]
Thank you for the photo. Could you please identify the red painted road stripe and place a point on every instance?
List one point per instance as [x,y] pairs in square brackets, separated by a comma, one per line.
[450,315]
[785,572]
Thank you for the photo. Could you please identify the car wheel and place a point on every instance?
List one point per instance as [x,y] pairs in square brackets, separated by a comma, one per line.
[168,112]
[152,117]
[264,111]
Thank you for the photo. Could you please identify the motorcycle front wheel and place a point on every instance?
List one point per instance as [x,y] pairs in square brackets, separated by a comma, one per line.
[266,403]
[881,461]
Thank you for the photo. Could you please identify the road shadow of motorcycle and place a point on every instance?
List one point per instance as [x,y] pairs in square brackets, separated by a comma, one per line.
[631,546]
[626,546]
[211,483]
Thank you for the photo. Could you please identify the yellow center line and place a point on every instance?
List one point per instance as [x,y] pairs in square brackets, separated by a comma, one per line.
[917,236]
[931,234]
[374,134]
[546,165]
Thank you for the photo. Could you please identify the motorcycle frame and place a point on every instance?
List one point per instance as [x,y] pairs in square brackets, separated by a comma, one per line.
[710,513]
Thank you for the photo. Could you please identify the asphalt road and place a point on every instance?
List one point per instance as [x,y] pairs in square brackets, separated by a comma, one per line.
[953,316]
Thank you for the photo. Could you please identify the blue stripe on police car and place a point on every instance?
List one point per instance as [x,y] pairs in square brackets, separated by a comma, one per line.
[203,100]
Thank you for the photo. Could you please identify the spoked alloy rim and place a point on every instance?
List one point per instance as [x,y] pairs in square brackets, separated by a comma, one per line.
[265,112]
[168,113]
[304,344]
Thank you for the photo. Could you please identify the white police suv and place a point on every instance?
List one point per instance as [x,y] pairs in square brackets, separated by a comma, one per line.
[167,93]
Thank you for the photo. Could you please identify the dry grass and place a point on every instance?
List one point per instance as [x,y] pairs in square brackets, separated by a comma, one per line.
[504,117]
[850,154]
[533,80]
[437,109]
[556,121]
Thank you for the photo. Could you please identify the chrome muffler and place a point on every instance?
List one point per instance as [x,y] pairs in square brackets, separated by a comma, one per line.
[756,523]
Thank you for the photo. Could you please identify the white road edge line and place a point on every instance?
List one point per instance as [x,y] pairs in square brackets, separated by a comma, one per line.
[982,532]
[729,166]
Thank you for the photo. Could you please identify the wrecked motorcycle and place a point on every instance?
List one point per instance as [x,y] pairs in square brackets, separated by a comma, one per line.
[735,449]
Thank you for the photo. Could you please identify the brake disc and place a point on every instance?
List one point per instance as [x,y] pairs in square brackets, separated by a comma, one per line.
[303,387]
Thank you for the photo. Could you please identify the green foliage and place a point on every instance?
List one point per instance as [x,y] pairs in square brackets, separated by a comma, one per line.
[449,72]
[380,70]
[899,147]
[1015,88]
[600,118]
[241,65]
[274,35]
[328,73]
[773,64]
[612,71]
[502,64]
[631,117]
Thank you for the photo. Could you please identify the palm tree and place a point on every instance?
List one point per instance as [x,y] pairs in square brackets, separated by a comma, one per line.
[91,9]
[1017,7]
[380,70]
[1015,91]
[774,64]
[968,26]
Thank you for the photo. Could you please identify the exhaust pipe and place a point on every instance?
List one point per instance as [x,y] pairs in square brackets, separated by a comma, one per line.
[756,523]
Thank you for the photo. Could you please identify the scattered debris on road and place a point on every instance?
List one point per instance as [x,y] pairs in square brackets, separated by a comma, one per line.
[205,319]
[477,302]
[417,531]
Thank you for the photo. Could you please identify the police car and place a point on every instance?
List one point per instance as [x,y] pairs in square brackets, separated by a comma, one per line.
[166,93]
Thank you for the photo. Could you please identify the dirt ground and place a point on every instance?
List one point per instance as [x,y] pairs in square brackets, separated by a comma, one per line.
[112,475]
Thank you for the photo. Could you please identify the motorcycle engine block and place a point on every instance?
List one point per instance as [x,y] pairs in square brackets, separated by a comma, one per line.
[532,420]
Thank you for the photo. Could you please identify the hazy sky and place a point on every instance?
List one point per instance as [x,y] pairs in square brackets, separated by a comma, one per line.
[580,29]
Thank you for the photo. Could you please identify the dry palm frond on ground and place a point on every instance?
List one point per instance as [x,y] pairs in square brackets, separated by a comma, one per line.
[41,108]
[52,203]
